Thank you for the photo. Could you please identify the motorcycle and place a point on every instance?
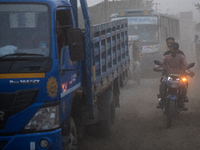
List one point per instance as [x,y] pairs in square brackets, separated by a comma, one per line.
[171,96]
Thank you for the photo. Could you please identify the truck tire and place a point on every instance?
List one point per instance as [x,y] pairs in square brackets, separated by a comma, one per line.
[73,137]
[106,126]
[92,129]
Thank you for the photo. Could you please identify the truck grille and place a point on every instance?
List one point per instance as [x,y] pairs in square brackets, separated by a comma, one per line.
[3,144]
[13,103]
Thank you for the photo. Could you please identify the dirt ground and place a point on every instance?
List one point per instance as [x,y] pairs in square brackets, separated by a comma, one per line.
[140,126]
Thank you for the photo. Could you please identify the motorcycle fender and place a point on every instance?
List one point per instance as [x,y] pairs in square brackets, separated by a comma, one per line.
[172,97]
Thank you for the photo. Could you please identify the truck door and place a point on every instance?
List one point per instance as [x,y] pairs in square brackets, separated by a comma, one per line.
[69,71]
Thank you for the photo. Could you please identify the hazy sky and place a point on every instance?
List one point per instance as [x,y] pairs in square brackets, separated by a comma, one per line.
[176,6]
[170,6]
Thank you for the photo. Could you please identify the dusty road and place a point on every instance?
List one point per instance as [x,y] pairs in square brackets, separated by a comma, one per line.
[140,126]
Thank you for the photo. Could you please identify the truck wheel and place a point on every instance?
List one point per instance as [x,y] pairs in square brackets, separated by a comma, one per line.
[106,126]
[92,129]
[73,136]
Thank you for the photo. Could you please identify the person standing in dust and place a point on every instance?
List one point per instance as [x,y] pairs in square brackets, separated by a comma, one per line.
[136,50]
[197,48]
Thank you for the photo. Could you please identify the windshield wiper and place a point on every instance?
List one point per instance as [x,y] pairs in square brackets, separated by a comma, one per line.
[22,54]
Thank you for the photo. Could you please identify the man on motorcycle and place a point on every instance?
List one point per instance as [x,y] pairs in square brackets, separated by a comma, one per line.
[174,62]
[169,42]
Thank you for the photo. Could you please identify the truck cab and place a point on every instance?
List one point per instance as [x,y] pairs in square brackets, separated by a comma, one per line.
[36,73]
[55,79]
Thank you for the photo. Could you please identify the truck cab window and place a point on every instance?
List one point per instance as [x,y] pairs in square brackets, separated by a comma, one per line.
[63,24]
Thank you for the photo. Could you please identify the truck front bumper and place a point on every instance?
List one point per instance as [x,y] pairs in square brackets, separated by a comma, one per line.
[51,140]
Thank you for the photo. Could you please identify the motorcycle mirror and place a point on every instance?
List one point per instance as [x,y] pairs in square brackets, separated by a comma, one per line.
[190,65]
[157,62]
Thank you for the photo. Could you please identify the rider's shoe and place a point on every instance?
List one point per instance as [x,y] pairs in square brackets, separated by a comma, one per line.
[185,99]
[184,107]
[159,104]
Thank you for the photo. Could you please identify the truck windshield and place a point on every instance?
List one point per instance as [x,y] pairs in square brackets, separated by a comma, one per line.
[24,29]
[148,33]
[144,26]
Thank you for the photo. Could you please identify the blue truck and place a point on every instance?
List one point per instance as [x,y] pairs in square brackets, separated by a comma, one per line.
[57,80]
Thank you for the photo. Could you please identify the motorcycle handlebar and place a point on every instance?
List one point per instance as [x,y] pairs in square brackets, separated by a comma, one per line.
[184,73]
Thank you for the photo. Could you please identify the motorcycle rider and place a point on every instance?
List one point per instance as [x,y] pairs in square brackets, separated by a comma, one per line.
[169,42]
[175,62]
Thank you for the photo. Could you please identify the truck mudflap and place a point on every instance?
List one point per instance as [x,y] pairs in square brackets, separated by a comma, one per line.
[35,141]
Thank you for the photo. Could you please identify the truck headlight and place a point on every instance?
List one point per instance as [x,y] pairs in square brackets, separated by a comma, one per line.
[46,118]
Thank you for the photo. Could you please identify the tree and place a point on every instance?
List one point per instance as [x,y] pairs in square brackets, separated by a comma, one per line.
[135,4]
[102,11]
[198,6]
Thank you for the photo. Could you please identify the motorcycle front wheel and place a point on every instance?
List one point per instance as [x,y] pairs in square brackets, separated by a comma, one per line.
[170,112]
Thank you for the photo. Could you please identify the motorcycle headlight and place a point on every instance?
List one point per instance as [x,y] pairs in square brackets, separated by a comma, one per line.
[46,118]
[173,82]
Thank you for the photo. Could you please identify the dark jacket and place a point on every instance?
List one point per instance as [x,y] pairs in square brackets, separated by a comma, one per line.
[169,52]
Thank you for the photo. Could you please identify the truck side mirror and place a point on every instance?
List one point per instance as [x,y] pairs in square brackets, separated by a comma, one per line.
[76,44]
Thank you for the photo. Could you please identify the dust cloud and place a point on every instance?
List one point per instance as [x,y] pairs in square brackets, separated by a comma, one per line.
[139,125]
